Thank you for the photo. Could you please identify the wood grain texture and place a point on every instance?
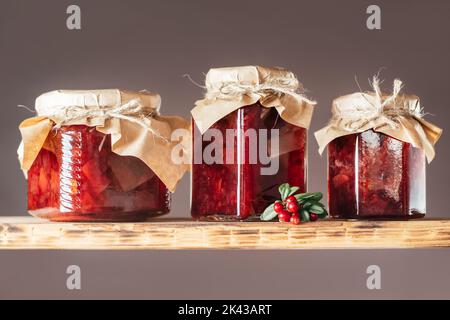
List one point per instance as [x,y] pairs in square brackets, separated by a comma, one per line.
[31,233]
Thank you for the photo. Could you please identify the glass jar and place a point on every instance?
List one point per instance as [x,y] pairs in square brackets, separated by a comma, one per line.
[372,175]
[81,179]
[241,189]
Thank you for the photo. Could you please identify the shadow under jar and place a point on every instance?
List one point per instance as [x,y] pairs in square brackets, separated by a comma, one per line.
[242,188]
[81,179]
[372,175]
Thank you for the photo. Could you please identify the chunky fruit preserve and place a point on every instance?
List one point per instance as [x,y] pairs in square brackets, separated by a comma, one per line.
[241,182]
[372,175]
[81,179]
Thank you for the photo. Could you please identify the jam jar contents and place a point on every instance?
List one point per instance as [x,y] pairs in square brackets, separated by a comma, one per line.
[372,175]
[239,190]
[81,179]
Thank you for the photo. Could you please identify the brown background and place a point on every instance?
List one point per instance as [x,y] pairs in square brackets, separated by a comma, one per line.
[151,44]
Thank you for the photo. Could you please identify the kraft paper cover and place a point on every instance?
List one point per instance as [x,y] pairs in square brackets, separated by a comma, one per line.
[228,89]
[397,115]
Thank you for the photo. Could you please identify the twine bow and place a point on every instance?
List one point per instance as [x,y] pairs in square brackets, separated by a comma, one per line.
[231,90]
[132,111]
[396,115]
[228,89]
[378,107]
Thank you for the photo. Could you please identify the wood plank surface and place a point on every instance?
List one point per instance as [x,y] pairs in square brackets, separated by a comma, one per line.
[31,233]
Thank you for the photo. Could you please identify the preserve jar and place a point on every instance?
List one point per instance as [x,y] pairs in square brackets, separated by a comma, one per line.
[371,175]
[377,149]
[247,169]
[78,175]
[85,181]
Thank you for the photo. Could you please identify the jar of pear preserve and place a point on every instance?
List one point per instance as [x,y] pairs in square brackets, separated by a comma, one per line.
[376,155]
[249,136]
[90,156]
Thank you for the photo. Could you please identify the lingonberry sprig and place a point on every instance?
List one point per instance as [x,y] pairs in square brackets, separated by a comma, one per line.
[295,207]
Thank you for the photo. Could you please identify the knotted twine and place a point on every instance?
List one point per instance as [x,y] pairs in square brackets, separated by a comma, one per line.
[229,89]
[397,115]
[132,111]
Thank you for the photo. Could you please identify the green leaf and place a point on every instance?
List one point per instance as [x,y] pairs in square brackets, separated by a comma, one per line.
[307,204]
[293,190]
[284,190]
[315,208]
[323,215]
[282,187]
[312,196]
[300,197]
[268,214]
[319,204]
[304,215]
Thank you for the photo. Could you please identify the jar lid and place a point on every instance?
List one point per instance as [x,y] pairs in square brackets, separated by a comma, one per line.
[217,78]
[54,101]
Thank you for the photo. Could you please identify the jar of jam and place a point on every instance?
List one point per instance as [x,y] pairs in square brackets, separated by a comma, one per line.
[371,175]
[90,165]
[377,145]
[249,136]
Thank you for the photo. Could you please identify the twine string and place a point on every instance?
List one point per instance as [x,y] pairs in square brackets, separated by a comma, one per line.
[27,108]
[131,111]
[232,90]
[386,108]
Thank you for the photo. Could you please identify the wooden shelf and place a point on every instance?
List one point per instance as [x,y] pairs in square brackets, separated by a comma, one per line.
[31,233]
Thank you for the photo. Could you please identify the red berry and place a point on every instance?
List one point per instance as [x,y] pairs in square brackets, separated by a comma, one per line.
[313,217]
[292,207]
[291,199]
[284,216]
[287,216]
[278,207]
[295,219]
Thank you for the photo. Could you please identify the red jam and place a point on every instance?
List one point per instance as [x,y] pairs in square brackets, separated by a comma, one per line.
[239,190]
[83,180]
[372,175]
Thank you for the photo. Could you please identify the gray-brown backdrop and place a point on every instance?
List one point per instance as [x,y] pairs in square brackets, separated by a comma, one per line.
[139,44]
